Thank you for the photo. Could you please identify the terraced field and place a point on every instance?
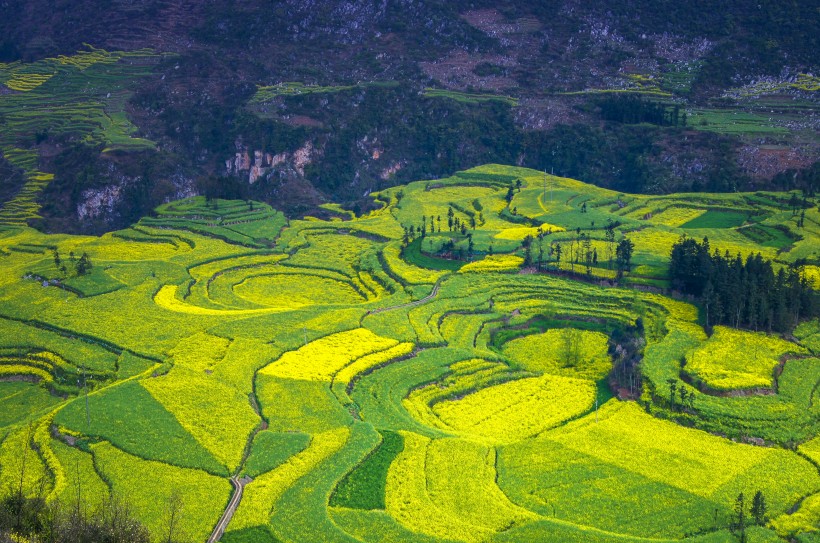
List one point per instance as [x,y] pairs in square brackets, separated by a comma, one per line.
[367,385]
[81,96]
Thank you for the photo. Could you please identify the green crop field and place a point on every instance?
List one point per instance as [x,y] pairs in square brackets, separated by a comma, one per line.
[439,369]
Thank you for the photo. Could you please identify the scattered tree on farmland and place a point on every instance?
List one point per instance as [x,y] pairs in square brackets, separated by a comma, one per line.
[687,398]
[584,207]
[57,259]
[794,204]
[557,251]
[510,194]
[173,513]
[673,385]
[518,185]
[526,244]
[759,508]
[587,244]
[83,265]
[610,241]
[571,352]
[623,256]
[626,350]
[450,214]
[740,518]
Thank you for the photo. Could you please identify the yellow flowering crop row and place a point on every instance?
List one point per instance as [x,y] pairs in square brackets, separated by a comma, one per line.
[8,369]
[518,409]
[805,519]
[735,359]
[659,242]
[407,498]
[261,494]
[27,81]
[678,310]
[320,360]
[166,298]
[200,352]
[218,416]
[460,331]
[812,273]
[151,486]
[676,216]
[14,451]
[294,291]
[332,250]
[78,467]
[475,499]
[208,270]
[407,273]
[370,283]
[242,359]
[259,285]
[467,376]
[569,352]
[492,263]
[518,233]
[110,248]
[811,449]
[361,365]
[622,434]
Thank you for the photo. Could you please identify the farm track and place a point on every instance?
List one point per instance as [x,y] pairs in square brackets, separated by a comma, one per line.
[420,301]
[239,487]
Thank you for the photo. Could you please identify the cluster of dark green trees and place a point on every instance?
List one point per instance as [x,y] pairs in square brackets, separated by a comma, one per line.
[747,294]
[632,109]
[741,519]
[81,266]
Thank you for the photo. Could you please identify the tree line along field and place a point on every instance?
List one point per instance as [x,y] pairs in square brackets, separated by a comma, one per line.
[368,385]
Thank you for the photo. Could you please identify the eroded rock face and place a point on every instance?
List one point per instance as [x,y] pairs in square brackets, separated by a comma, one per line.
[97,202]
[264,161]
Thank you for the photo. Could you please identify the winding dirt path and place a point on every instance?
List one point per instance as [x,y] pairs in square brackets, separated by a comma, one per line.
[239,487]
[433,294]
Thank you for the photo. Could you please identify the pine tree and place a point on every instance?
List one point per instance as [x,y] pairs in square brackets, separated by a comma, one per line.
[740,517]
[759,508]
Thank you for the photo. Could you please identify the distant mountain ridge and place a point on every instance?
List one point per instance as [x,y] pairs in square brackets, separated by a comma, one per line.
[356,96]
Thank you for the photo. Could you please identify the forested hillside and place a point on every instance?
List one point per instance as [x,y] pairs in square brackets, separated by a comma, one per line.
[108,109]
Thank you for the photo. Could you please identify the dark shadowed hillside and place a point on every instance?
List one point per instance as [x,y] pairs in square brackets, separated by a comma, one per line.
[128,104]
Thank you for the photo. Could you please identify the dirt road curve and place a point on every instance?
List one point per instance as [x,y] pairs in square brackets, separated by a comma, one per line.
[219,529]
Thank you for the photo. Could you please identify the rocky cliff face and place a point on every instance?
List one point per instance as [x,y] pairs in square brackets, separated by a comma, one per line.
[266,164]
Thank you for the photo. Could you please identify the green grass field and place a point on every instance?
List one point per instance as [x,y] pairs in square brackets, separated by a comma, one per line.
[373,392]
